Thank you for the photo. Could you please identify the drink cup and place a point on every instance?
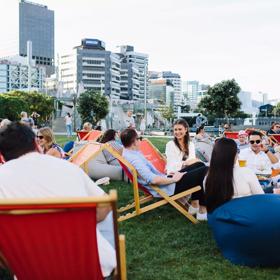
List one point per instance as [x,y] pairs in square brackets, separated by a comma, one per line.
[242,162]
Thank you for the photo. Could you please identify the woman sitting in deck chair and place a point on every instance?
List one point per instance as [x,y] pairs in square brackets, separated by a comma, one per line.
[148,174]
[181,155]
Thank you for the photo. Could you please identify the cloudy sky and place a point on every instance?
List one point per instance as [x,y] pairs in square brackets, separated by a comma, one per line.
[205,40]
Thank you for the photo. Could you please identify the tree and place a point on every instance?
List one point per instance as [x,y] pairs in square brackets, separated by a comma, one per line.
[11,107]
[167,112]
[185,108]
[221,100]
[276,110]
[241,114]
[93,106]
[41,103]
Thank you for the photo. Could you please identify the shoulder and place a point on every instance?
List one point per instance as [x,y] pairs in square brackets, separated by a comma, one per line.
[170,144]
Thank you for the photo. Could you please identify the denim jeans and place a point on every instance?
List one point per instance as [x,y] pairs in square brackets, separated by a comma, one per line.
[69,129]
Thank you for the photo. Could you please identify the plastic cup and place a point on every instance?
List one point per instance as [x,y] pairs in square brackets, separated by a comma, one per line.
[242,162]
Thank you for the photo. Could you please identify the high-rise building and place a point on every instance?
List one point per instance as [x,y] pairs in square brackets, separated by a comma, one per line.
[14,72]
[245,98]
[94,67]
[161,93]
[139,60]
[36,24]
[194,92]
[130,83]
[173,78]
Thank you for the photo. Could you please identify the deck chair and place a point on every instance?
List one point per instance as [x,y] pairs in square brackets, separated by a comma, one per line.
[275,138]
[55,238]
[92,149]
[131,173]
[92,135]
[231,134]
[153,155]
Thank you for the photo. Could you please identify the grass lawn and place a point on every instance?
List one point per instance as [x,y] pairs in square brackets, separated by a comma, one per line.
[162,244]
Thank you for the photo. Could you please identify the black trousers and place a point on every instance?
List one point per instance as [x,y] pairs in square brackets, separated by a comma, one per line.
[194,177]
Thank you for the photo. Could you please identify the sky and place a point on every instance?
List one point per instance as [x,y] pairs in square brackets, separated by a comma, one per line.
[204,40]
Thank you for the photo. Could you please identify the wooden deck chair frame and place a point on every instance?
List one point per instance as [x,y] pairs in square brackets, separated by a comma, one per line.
[139,200]
[35,206]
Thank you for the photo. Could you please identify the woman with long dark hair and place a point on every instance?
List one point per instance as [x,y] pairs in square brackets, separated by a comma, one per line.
[180,155]
[225,179]
[110,137]
[180,152]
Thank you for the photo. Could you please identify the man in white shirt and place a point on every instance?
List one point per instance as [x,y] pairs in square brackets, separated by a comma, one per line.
[258,157]
[29,174]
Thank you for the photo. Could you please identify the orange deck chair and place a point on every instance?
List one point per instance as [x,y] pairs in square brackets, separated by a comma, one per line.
[92,149]
[231,134]
[153,155]
[55,238]
[92,135]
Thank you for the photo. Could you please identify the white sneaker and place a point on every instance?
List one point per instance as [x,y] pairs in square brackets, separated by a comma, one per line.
[193,210]
[201,216]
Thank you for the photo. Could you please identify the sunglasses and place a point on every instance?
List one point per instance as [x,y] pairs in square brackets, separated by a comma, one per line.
[255,141]
[40,136]
[139,138]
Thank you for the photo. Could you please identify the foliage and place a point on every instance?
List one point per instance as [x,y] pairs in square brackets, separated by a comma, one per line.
[11,107]
[241,114]
[221,100]
[35,101]
[93,106]
[276,110]
[185,108]
[167,112]
[266,111]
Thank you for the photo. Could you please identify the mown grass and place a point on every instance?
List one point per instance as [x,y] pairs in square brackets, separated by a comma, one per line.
[162,244]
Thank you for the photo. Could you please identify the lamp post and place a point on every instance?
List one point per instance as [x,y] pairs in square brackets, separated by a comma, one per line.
[74,110]
[145,92]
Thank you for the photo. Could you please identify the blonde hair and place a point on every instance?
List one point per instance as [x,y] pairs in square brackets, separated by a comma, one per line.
[87,126]
[23,115]
[48,135]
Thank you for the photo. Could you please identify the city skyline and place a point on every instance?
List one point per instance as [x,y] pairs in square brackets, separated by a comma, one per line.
[199,40]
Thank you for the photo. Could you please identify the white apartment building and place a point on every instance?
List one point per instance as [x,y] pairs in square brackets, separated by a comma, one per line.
[93,66]
[14,72]
[139,60]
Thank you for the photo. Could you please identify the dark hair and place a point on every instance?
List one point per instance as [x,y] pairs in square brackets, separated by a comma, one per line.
[219,181]
[108,135]
[255,132]
[199,129]
[186,137]
[128,136]
[16,140]
[68,114]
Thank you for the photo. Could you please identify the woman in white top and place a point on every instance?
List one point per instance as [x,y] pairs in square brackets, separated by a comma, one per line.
[180,151]
[225,179]
[180,155]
